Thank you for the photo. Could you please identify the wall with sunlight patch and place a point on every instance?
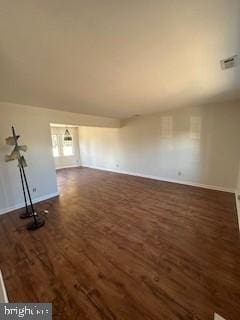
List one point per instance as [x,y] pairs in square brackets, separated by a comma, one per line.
[198,145]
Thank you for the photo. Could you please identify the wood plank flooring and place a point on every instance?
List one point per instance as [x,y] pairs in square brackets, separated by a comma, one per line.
[127,248]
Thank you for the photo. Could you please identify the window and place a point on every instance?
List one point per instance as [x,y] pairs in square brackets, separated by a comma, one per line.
[55,147]
[67,147]
[62,144]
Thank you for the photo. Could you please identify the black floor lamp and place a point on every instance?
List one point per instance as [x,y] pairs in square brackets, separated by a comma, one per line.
[16,155]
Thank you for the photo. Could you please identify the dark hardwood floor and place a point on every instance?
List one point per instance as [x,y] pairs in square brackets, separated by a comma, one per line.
[123,247]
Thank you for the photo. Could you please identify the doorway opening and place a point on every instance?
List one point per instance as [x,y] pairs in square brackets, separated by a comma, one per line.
[65,146]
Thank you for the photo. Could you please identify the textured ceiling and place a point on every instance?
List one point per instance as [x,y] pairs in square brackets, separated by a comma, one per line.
[118,58]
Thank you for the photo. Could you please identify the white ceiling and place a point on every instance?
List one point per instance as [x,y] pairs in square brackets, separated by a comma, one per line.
[118,58]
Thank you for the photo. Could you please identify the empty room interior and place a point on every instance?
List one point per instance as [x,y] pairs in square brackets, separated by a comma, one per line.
[120,160]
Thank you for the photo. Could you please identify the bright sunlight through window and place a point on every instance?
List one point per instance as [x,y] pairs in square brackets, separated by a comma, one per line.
[62,147]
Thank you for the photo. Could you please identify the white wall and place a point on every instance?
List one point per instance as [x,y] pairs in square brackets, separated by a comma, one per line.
[33,124]
[139,146]
[68,161]
[238,185]
[238,197]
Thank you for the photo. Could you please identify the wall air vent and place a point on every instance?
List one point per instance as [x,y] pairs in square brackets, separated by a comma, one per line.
[229,62]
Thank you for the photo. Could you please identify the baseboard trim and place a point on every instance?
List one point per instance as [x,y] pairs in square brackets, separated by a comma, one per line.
[36,200]
[238,208]
[189,183]
[3,289]
[66,167]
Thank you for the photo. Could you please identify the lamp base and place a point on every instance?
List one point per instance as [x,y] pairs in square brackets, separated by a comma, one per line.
[38,223]
[25,215]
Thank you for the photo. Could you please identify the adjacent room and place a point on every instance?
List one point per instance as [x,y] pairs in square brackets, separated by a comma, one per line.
[120,160]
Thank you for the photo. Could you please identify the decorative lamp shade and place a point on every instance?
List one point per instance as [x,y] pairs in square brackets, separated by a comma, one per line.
[67,136]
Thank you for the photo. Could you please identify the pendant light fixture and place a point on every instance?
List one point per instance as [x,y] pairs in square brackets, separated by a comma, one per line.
[67,136]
